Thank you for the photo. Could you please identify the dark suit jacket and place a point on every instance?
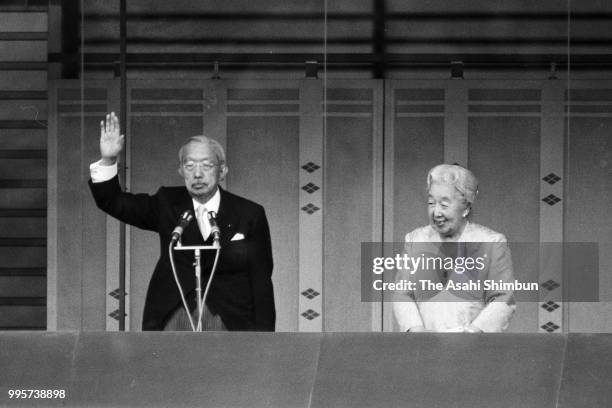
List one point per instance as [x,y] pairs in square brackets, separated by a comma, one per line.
[241,291]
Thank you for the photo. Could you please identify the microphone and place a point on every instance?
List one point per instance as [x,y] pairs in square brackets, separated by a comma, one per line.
[185,219]
[214,228]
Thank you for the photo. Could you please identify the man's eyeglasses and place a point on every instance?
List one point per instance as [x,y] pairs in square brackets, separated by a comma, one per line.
[192,165]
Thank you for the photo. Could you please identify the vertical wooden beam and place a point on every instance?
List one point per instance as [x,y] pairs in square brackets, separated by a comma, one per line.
[378,184]
[52,210]
[115,292]
[389,175]
[310,287]
[123,239]
[550,317]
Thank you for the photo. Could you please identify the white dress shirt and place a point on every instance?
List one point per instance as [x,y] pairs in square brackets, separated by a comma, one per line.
[100,173]
[211,205]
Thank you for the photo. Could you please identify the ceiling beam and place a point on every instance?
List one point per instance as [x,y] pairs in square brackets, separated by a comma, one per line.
[470,59]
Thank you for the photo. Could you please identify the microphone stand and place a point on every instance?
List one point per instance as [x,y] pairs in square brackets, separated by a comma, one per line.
[198,272]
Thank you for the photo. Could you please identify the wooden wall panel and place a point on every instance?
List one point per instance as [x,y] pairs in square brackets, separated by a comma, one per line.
[505,152]
[77,259]
[351,138]
[65,266]
[348,207]
[263,161]
[588,191]
[81,273]
[415,154]
[418,145]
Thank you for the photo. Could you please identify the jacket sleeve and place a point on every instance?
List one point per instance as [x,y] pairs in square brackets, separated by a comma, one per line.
[260,273]
[499,304]
[139,210]
[405,308]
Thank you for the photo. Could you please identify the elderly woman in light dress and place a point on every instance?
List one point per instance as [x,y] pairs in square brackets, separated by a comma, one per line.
[452,191]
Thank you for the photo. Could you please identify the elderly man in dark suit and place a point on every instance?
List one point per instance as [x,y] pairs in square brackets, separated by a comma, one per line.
[241,294]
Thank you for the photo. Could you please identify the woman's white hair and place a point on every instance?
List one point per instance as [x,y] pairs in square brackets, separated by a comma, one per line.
[457,176]
[212,143]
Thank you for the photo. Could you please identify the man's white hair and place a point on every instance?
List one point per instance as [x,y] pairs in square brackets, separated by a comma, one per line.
[212,143]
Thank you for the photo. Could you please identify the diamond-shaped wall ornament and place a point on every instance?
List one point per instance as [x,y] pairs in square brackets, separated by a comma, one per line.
[551,179]
[310,293]
[310,167]
[550,284]
[550,306]
[310,314]
[550,327]
[310,208]
[551,199]
[310,188]
[116,314]
[117,293]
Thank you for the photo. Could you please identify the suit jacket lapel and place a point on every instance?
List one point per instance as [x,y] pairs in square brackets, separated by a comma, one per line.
[227,218]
